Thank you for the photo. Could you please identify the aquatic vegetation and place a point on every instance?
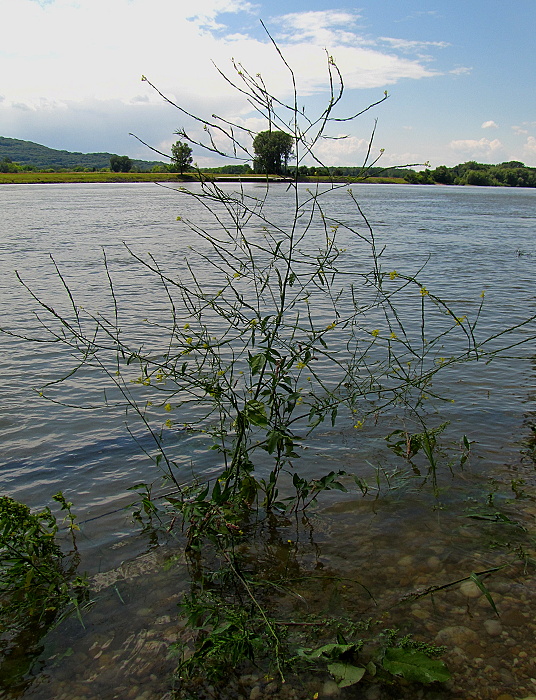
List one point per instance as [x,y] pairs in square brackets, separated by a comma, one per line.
[39,584]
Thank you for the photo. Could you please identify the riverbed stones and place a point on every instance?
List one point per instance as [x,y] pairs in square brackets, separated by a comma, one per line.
[470,590]
[330,690]
[513,618]
[456,635]
[405,561]
[493,627]
[255,693]
[271,688]
[373,693]
[433,563]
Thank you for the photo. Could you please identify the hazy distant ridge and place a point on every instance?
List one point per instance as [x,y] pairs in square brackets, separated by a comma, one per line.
[30,153]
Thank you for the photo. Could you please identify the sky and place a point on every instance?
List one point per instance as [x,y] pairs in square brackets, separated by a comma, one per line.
[459,74]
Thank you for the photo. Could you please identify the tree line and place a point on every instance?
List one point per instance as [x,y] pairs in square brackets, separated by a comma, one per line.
[272,150]
[512,173]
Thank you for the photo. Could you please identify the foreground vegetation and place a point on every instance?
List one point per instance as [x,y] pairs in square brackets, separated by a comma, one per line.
[252,361]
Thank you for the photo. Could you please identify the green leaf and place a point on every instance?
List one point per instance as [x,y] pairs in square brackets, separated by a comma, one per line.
[274,438]
[414,666]
[216,492]
[478,582]
[255,413]
[256,363]
[371,668]
[346,674]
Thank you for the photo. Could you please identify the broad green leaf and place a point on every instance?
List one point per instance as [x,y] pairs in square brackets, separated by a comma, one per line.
[256,363]
[255,413]
[346,674]
[414,666]
[274,438]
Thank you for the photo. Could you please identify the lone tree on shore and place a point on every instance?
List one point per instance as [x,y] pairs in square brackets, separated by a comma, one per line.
[272,151]
[120,164]
[181,156]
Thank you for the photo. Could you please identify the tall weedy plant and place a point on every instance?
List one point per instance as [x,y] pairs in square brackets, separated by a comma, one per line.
[269,334]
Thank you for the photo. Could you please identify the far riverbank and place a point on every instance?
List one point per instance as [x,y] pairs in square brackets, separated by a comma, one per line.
[30,178]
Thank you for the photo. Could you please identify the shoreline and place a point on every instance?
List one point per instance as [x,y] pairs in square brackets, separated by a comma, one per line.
[41,178]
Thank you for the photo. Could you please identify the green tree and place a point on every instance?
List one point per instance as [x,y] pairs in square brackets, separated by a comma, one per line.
[181,156]
[443,175]
[478,177]
[120,164]
[272,151]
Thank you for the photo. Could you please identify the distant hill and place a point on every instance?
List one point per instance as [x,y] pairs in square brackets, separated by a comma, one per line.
[30,153]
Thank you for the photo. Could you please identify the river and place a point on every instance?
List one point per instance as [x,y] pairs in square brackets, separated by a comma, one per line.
[470,240]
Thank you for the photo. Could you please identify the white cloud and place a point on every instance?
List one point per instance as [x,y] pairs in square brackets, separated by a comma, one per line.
[490,125]
[530,146]
[80,64]
[77,49]
[476,148]
[412,46]
[461,70]
[81,49]
[317,26]
[341,151]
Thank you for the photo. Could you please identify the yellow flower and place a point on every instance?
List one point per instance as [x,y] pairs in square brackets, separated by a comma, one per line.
[189,341]
[331,326]
[237,275]
[186,326]
[168,424]
[393,336]
[424,291]
[168,407]
[375,333]
[359,425]
[300,365]
[482,294]
[393,275]
[460,320]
